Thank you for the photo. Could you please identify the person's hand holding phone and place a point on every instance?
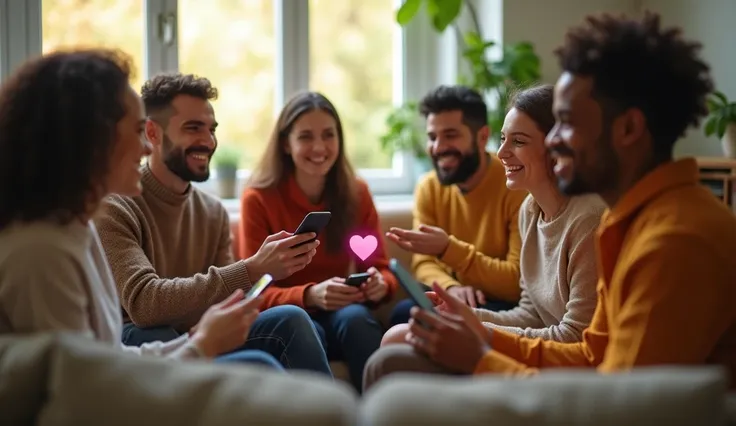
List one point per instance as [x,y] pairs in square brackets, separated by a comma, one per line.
[225,325]
[332,294]
[453,337]
[280,254]
[375,288]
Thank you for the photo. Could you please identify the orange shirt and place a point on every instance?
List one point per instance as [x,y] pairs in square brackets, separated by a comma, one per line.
[267,211]
[666,291]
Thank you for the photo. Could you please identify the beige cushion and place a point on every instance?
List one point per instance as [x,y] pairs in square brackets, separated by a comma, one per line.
[88,384]
[665,396]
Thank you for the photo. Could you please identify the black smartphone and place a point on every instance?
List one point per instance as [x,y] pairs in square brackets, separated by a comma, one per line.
[313,222]
[260,285]
[355,280]
[412,286]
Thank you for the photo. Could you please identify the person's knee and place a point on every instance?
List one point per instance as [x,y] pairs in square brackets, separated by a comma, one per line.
[355,318]
[395,334]
[387,360]
[293,317]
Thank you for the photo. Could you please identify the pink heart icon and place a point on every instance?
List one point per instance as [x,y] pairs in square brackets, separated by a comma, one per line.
[363,247]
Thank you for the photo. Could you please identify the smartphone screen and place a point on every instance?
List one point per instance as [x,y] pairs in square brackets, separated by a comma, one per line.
[412,286]
[259,286]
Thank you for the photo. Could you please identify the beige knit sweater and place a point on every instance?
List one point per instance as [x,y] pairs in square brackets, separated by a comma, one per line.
[55,278]
[558,272]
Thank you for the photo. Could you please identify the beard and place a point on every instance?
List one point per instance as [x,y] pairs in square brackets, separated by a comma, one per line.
[590,179]
[468,164]
[175,159]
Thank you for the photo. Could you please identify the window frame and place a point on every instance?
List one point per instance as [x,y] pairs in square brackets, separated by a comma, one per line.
[419,68]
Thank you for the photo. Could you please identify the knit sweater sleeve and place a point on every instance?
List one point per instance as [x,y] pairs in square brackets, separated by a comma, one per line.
[42,288]
[149,299]
[524,315]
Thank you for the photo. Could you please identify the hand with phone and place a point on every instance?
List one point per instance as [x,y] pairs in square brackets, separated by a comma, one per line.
[452,336]
[283,254]
[375,287]
[225,325]
[332,294]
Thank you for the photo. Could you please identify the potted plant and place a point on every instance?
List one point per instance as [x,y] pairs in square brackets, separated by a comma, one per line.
[519,68]
[405,133]
[226,162]
[721,121]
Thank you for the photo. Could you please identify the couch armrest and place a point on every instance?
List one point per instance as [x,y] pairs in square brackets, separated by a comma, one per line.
[657,395]
[90,383]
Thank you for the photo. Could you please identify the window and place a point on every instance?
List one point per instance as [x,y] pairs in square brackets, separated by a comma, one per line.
[232,43]
[352,63]
[99,23]
[258,53]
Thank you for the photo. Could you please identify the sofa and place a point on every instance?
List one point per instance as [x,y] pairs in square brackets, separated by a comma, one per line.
[64,380]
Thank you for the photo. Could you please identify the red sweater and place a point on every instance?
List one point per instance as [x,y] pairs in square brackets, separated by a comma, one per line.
[267,211]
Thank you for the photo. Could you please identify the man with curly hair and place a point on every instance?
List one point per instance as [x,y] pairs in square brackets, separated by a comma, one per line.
[170,248]
[667,279]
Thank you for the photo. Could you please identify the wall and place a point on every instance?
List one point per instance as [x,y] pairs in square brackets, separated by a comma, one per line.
[712,22]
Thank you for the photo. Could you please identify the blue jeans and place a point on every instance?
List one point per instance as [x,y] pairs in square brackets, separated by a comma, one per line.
[400,314]
[350,334]
[285,333]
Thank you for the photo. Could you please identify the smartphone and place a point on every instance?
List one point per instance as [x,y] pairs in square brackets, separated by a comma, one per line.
[313,222]
[259,286]
[355,280]
[412,286]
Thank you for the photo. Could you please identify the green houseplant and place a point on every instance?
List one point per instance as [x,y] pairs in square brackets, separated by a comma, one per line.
[226,161]
[518,68]
[721,122]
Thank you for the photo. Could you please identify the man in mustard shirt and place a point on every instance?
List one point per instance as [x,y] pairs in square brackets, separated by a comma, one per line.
[665,248]
[466,232]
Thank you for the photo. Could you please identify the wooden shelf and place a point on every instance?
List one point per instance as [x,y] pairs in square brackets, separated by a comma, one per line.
[719,175]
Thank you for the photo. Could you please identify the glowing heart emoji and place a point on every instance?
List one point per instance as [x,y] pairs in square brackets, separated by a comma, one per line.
[363,247]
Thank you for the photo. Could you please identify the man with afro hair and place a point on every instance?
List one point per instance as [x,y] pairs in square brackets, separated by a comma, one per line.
[665,247]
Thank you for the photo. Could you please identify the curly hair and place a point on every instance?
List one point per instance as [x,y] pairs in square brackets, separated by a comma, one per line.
[457,98]
[158,92]
[638,64]
[58,127]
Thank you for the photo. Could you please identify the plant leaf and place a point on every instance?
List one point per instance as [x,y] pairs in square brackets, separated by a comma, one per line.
[721,97]
[710,126]
[722,123]
[407,11]
[443,12]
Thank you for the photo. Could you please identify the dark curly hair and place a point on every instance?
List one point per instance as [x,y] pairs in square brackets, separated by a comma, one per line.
[457,98]
[638,64]
[158,92]
[58,126]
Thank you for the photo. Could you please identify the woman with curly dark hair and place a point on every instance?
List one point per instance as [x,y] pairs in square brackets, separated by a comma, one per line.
[71,132]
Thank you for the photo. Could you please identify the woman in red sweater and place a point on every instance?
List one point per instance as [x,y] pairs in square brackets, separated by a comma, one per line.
[304,169]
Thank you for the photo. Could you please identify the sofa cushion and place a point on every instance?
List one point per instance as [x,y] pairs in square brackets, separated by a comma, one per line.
[90,383]
[656,395]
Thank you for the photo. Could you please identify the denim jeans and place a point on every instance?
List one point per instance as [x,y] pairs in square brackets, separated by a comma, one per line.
[286,333]
[350,334]
[400,314]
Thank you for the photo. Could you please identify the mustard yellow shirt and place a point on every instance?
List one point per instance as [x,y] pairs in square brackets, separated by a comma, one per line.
[667,285]
[483,225]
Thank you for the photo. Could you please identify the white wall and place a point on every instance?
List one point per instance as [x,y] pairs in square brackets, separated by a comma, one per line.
[544,23]
[713,23]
